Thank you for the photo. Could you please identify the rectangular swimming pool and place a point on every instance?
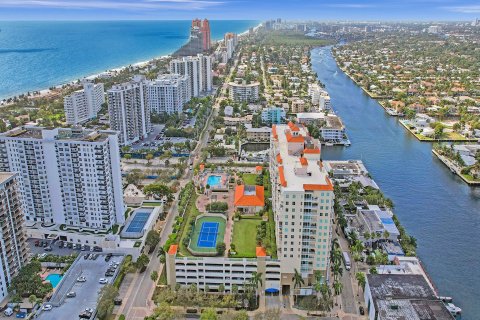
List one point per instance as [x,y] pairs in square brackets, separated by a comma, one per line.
[214,181]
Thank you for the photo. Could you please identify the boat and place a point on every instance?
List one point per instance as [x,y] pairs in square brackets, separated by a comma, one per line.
[453,309]
[329,144]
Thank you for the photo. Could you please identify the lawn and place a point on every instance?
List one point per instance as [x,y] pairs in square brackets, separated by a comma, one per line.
[244,237]
[250,178]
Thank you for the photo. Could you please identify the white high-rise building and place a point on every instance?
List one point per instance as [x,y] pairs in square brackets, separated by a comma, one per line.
[240,91]
[66,176]
[302,200]
[128,110]
[168,93]
[325,103]
[13,240]
[198,69]
[83,105]
[314,91]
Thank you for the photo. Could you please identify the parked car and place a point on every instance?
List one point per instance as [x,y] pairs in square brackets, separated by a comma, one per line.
[44,244]
[47,307]
[60,244]
[21,315]
[86,256]
[71,294]
[36,243]
[97,249]
[8,312]
[103,281]
[48,248]
[361,310]
[83,248]
[70,245]
[81,279]
[108,257]
[85,315]
[117,301]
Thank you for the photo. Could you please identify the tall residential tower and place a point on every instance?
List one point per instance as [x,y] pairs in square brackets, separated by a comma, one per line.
[83,105]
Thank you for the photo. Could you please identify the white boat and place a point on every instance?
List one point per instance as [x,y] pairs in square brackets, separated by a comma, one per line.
[453,309]
[329,144]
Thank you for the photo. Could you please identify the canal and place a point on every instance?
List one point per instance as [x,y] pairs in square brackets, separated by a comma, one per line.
[434,205]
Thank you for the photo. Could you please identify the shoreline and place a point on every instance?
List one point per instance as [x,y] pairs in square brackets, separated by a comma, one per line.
[45,92]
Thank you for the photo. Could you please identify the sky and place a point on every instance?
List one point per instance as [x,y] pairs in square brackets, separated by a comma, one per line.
[239,9]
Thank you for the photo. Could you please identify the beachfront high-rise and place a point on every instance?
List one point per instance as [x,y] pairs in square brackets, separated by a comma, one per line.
[83,105]
[128,110]
[230,41]
[66,176]
[302,199]
[199,70]
[168,93]
[13,246]
[199,40]
[204,27]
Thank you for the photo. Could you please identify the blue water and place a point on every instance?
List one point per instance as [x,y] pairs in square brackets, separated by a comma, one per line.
[54,279]
[214,181]
[36,55]
[434,205]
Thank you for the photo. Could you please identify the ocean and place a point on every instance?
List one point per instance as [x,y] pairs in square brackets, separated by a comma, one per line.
[36,55]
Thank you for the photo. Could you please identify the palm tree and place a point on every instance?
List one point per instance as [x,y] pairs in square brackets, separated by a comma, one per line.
[337,287]
[255,280]
[360,276]
[386,235]
[367,237]
[297,282]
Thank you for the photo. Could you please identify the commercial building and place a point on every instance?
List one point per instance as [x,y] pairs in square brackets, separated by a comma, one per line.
[128,110]
[168,93]
[83,105]
[13,248]
[66,176]
[302,199]
[240,91]
[402,296]
[273,115]
[259,134]
[199,71]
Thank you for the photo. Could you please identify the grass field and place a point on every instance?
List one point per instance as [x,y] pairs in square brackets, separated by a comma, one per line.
[244,237]
[198,225]
[249,178]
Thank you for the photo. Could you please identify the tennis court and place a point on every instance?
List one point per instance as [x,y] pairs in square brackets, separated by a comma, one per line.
[138,222]
[208,235]
[208,232]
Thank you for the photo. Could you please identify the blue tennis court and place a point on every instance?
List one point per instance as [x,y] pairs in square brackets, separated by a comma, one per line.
[208,235]
[138,222]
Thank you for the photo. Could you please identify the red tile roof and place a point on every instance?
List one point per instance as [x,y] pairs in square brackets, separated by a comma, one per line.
[254,200]
[261,252]
[312,151]
[279,159]
[292,138]
[303,161]
[281,174]
[319,187]
[173,249]
[258,168]
[274,132]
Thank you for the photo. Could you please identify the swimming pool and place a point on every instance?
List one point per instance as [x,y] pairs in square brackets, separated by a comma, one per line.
[214,181]
[54,279]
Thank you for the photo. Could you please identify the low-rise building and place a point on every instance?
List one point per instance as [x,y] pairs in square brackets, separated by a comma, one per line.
[273,115]
[249,199]
[298,105]
[259,134]
[398,296]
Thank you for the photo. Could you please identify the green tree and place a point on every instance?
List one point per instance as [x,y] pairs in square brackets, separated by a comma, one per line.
[154,276]
[164,312]
[209,314]
[159,191]
[221,247]
[360,276]
[105,301]
[153,238]
[297,282]
[142,262]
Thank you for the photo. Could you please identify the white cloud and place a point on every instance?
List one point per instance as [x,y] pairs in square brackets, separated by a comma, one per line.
[106,4]
[464,9]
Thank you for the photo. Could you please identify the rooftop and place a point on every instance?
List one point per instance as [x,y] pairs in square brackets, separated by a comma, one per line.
[249,196]
[399,286]
[5,176]
[412,310]
[296,174]
[74,134]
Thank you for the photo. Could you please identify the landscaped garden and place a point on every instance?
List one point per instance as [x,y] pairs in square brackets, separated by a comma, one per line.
[244,240]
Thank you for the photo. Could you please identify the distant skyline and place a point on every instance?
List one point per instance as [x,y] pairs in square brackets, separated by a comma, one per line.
[239,9]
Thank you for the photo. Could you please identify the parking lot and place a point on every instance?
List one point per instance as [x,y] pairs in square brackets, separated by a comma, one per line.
[156,139]
[86,293]
[55,245]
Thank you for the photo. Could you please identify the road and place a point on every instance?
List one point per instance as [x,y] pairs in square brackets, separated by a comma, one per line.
[348,301]
[138,303]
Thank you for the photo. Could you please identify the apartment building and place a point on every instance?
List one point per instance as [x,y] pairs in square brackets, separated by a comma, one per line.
[324,102]
[314,91]
[240,91]
[168,93]
[302,199]
[13,247]
[66,176]
[273,115]
[83,105]
[330,126]
[199,71]
[129,112]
